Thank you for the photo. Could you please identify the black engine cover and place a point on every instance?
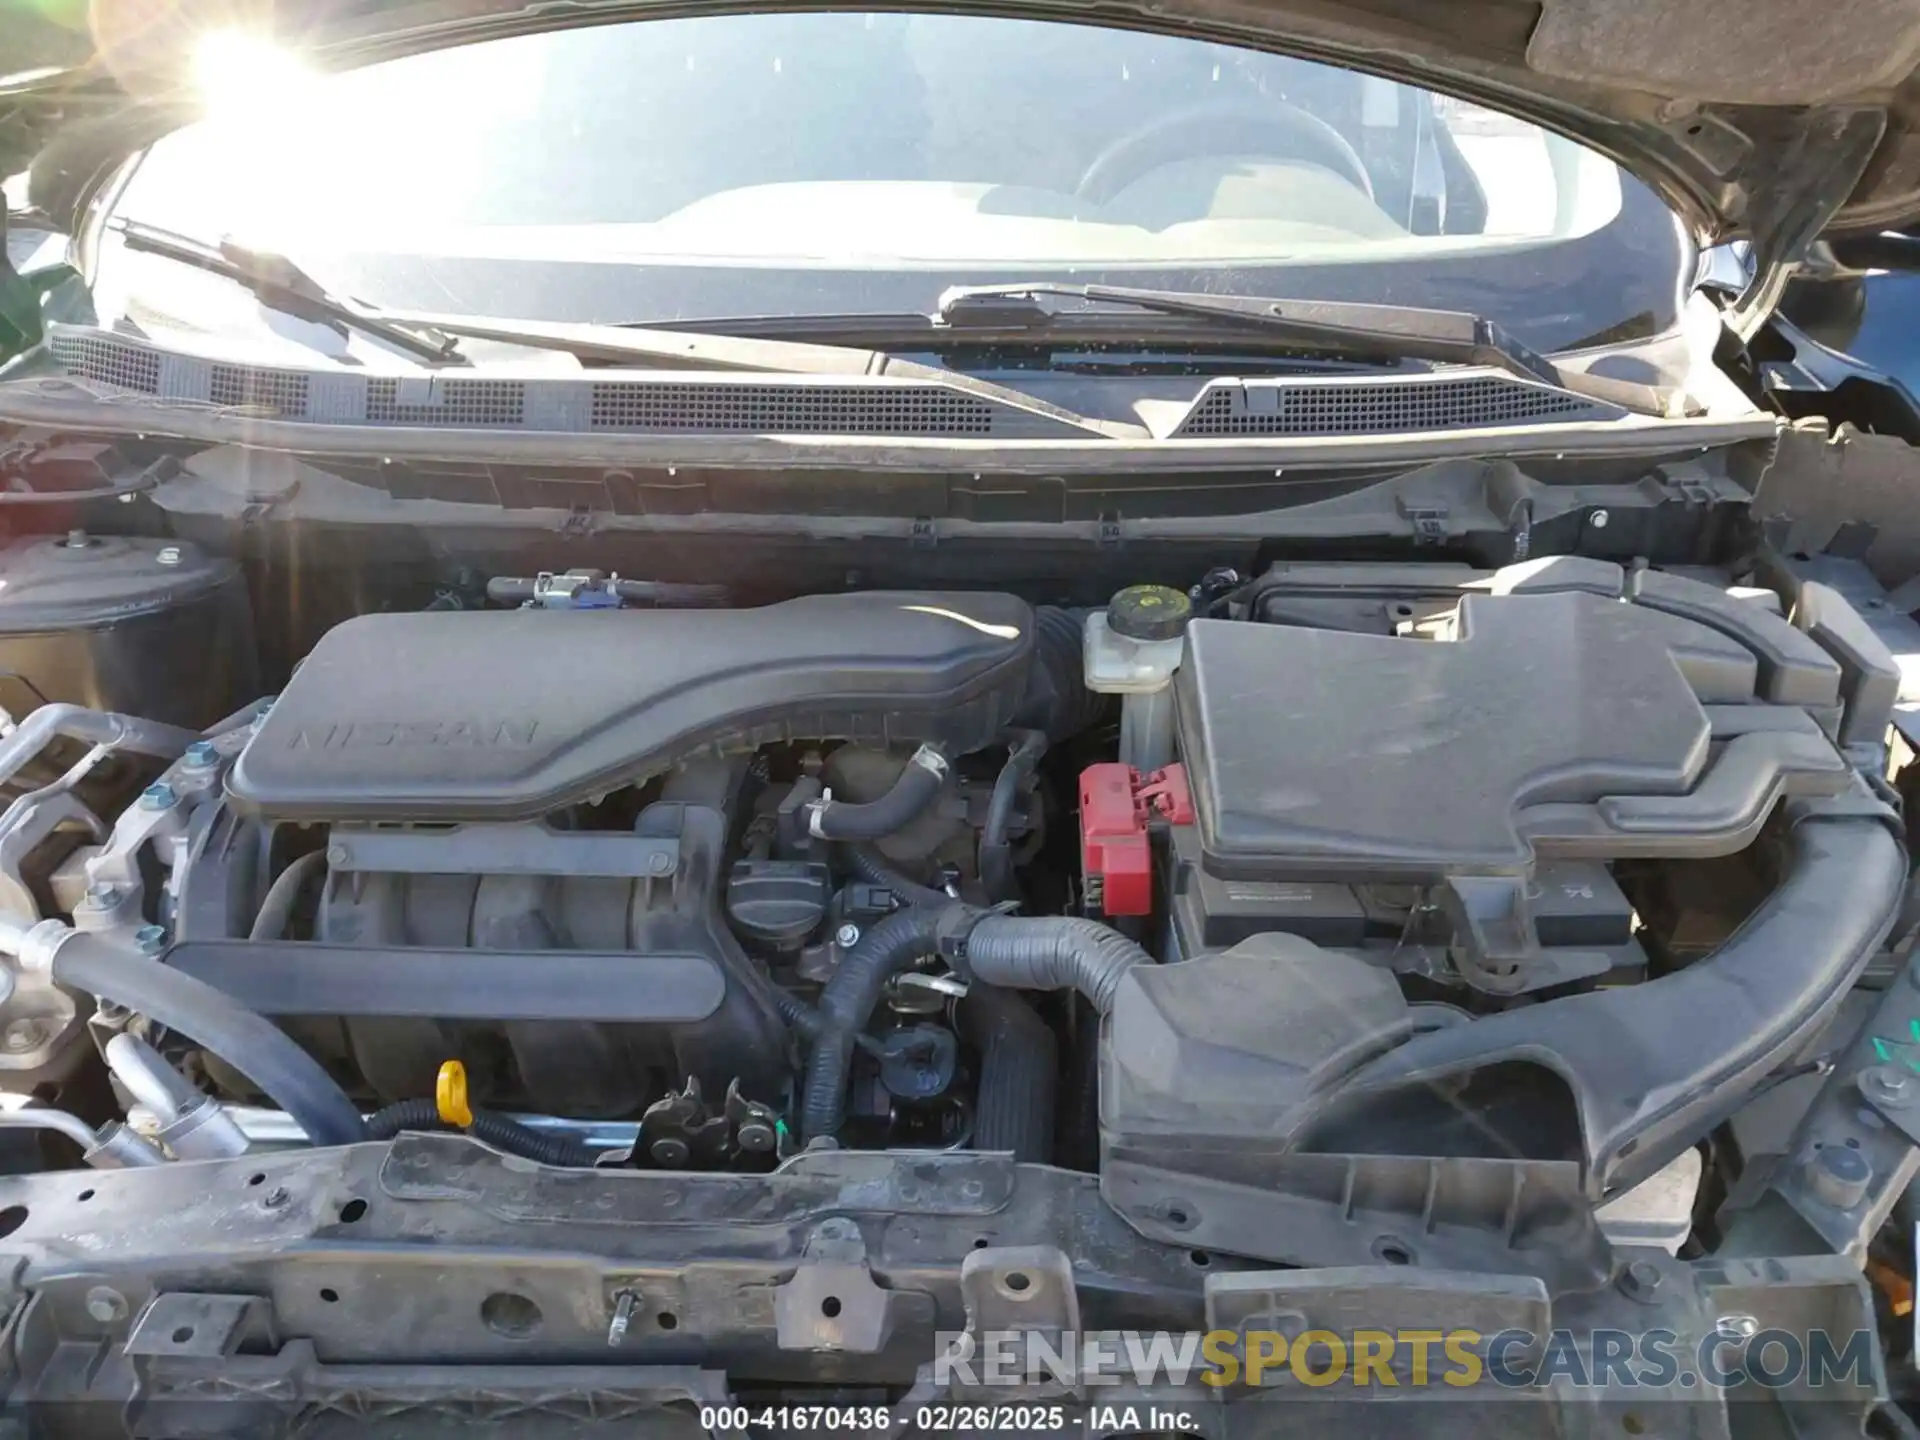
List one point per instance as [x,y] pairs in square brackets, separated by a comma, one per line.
[510,715]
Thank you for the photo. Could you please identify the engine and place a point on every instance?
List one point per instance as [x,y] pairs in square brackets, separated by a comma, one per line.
[1320,884]
[579,851]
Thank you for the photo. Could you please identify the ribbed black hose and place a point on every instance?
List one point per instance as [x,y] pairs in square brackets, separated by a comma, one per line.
[252,1045]
[869,865]
[996,854]
[847,1002]
[1058,701]
[911,794]
[1052,953]
[796,1012]
[277,909]
[1014,1103]
[495,1129]
[386,1123]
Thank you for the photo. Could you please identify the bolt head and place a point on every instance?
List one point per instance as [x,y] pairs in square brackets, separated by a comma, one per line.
[1598,519]
[151,939]
[1640,1281]
[203,755]
[1740,1327]
[660,863]
[1887,1084]
[101,897]
[23,1034]
[106,1304]
[1839,1176]
[668,1151]
[169,555]
[847,936]
[157,796]
[755,1136]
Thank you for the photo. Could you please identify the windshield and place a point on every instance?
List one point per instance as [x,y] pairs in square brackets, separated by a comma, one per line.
[778,164]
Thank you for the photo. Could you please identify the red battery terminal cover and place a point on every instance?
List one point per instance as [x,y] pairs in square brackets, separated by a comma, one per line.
[1117,803]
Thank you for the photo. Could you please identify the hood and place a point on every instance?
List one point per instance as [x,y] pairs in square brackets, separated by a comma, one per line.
[1763,120]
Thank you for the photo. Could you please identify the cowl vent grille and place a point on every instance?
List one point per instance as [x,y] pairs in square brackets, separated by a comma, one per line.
[636,404]
[790,409]
[1277,407]
[1384,405]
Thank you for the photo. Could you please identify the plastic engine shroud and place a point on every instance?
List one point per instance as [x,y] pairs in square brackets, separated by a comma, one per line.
[510,715]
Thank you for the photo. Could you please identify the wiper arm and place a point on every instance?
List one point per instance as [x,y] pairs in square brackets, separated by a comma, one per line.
[281,285]
[1384,332]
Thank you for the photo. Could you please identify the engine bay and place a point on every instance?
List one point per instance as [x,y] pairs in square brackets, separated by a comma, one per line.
[1452,910]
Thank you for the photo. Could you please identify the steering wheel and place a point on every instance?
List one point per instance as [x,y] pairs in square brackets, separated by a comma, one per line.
[1273,128]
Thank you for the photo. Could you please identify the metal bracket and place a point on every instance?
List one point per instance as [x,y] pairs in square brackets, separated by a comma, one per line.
[1022,1290]
[26,825]
[832,1302]
[1854,1153]
[188,1326]
[1390,1298]
[1020,1287]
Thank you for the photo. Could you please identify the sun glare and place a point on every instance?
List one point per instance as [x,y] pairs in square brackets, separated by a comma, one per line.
[246,78]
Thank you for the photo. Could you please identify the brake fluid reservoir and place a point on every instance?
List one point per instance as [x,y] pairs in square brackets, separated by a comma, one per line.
[1132,651]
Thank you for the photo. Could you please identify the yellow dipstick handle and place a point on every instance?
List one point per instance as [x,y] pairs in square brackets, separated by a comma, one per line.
[450,1094]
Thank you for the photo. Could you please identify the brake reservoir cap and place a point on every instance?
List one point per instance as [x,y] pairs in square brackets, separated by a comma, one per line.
[1149,612]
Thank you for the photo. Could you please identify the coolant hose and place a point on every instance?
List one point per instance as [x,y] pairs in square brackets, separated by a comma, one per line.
[1013,1103]
[920,781]
[490,1126]
[277,909]
[848,999]
[249,1043]
[870,866]
[1052,952]
[996,854]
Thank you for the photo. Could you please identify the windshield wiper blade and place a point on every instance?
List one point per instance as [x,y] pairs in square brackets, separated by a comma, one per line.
[1386,332]
[281,285]
[1074,330]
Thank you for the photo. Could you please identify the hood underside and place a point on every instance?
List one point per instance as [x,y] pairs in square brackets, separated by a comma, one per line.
[1756,119]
